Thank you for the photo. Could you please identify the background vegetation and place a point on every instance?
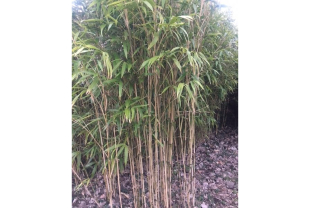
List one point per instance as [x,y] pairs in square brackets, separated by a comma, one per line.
[147,77]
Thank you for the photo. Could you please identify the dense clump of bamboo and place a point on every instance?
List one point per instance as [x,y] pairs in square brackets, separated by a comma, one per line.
[145,73]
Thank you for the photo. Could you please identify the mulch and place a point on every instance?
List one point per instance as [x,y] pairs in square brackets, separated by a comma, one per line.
[216,177]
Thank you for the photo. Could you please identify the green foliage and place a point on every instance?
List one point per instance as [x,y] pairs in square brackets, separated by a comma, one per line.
[145,76]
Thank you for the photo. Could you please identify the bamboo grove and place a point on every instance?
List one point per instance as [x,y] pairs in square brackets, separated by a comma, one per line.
[146,76]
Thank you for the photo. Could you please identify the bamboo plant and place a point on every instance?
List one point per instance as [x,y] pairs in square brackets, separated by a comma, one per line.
[146,75]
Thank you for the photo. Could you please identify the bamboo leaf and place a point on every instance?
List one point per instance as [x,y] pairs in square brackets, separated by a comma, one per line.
[92,47]
[125,50]
[163,2]
[127,113]
[118,62]
[127,103]
[129,66]
[179,90]
[165,90]
[92,20]
[93,85]
[92,4]
[175,48]
[100,65]
[200,85]
[101,28]
[161,144]
[89,164]
[120,89]
[106,60]
[189,18]
[94,171]
[110,81]
[144,63]
[144,9]
[177,63]
[132,113]
[115,3]
[74,100]
[79,51]
[76,65]
[75,36]
[148,5]
[125,154]
[189,91]
[123,69]
[120,150]
[154,41]
[184,32]
[110,25]
[173,20]
[113,147]
[152,60]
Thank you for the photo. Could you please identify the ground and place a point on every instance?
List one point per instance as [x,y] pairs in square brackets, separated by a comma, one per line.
[216,176]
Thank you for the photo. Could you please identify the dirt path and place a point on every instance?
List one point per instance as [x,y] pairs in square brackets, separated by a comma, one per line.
[216,177]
